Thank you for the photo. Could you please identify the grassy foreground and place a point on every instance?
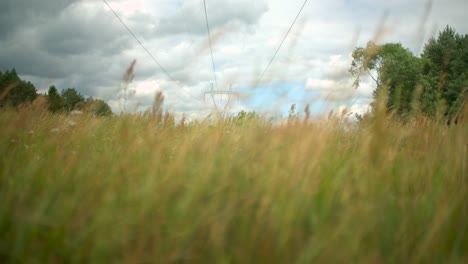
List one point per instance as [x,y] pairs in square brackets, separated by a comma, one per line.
[82,189]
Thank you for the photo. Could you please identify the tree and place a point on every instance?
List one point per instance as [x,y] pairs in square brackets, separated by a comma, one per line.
[393,68]
[72,99]
[102,108]
[56,102]
[15,91]
[445,73]
[98,107]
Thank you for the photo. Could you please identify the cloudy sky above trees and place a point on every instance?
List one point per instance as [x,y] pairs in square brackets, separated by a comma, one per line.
[81,44]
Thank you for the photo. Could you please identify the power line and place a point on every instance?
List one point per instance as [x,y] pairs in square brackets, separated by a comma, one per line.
[211,48]
[229,94]
[139,42]
[281,44]
[147,51]
[214,92]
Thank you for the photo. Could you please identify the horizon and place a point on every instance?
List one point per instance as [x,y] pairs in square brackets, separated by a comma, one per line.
[82,45]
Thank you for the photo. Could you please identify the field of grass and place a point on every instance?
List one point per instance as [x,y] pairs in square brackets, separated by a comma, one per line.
[81,189]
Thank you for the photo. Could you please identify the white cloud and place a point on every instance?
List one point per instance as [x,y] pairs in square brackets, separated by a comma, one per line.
[354,109]
[128,7]
[81,44]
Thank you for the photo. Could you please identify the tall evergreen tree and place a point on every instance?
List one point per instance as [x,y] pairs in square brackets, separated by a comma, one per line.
[55,100]
[445,73]
[15,91]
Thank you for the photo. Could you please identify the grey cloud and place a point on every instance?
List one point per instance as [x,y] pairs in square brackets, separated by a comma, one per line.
[79,30]
[72,44]
[18,13]
[339,74]
[81,44]
[191,17]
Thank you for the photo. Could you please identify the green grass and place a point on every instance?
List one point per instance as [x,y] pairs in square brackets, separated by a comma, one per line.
[126,189]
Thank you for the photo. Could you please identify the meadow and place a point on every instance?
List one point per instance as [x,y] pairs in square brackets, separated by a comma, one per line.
[75,188]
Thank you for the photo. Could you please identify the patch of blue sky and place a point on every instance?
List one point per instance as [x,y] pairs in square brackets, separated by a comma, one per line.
[277,98]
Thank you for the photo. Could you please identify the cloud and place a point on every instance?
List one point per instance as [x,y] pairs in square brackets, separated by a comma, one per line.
[189,18]
[355,108]
[81,44]
[331,90]
[15,14]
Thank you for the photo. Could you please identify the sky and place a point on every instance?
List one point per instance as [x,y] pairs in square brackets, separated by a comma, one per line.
[81,44]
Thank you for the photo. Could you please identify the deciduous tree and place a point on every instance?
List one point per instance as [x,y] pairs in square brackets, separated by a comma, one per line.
[392,67]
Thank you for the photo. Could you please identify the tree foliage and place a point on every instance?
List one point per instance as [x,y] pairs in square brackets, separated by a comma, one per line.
[14,91]
[413,84]
[101,108]
[445,72]
[392,67]
[72,99]
[55,100]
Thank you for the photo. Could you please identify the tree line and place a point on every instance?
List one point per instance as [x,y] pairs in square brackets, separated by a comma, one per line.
[14,92]
[434,84]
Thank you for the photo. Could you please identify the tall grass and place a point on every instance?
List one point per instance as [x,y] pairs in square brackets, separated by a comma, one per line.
[76,188]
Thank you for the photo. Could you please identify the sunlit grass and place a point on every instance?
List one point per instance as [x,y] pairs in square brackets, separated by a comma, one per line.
[76,188]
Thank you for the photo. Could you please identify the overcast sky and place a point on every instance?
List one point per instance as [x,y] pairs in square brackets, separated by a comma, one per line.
[81,44]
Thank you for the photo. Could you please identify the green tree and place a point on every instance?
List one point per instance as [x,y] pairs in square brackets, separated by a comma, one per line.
[72,99]
[101,108]
[55,100]
[393,68]
[98,107]
[445,73]
[15,91]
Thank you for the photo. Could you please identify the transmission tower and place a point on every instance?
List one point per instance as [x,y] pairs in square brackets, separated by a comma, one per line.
[229,93]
